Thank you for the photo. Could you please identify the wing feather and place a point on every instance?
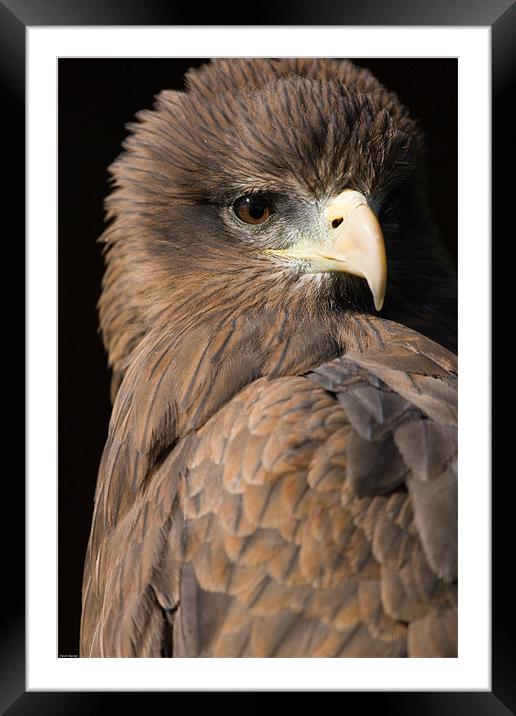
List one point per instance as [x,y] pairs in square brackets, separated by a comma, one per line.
[311,515]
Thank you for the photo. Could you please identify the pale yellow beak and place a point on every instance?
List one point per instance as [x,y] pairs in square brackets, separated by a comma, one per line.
[353,244]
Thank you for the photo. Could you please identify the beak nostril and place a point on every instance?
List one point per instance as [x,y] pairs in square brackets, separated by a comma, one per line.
[336,222]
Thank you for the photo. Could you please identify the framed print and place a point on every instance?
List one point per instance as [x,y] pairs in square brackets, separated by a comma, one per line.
[80,73]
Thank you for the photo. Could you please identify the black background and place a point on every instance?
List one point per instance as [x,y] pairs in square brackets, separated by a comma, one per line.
[97,97]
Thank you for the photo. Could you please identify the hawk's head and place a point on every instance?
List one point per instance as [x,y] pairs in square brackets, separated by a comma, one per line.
[269,184]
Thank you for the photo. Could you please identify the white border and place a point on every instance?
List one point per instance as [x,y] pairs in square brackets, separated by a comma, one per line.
[472,669]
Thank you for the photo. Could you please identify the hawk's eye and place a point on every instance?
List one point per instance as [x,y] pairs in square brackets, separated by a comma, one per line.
[252,209]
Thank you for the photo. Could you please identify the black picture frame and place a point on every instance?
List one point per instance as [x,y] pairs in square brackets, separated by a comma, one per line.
[15,17]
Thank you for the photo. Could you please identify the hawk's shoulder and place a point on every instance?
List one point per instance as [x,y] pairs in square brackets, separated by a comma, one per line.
[311,515]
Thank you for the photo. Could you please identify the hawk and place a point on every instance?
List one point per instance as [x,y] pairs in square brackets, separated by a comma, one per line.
[280,473]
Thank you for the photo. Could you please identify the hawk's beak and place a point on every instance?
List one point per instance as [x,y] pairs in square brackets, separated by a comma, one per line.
[356,242]
[353,244]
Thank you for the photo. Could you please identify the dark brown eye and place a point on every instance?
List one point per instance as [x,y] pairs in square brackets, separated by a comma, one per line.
[252,209]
